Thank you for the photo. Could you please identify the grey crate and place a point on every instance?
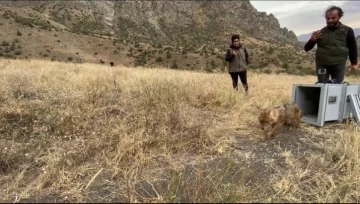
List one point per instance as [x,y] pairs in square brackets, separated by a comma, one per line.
[320,102]
[355,104]
[348,111]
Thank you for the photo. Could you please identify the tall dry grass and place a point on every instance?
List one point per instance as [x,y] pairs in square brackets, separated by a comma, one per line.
[85,132]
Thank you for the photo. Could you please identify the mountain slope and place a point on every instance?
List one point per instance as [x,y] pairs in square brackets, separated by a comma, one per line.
[157,21]
[177,34]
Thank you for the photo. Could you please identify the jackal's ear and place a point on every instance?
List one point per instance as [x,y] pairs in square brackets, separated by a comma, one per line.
[265,111]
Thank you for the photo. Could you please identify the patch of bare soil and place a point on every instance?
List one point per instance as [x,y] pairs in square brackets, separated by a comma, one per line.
[266,158]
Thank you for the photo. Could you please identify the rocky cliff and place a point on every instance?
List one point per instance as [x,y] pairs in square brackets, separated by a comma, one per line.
[164,22]
[184,34]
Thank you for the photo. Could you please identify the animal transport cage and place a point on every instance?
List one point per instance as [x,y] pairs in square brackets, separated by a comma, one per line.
[327,102]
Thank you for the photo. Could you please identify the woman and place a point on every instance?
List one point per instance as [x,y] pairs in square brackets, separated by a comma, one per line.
[238,59]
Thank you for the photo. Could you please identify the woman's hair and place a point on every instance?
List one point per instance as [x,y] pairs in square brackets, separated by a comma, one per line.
[235,37]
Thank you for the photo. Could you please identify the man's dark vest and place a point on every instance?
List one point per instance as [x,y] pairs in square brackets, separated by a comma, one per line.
[331,47]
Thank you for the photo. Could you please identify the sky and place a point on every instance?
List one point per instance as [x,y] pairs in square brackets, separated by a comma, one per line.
[307,16]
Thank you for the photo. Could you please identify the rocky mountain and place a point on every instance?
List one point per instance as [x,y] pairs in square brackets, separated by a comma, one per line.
[166,32]
[165,22]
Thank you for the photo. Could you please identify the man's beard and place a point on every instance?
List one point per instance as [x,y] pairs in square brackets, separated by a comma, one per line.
[332,24]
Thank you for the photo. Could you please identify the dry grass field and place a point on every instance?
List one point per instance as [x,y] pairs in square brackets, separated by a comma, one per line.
[92,133]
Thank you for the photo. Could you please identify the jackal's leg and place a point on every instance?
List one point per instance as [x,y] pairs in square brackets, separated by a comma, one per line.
[298,119]
[274,126]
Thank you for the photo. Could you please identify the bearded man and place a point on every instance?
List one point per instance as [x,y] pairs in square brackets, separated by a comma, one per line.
[335,42]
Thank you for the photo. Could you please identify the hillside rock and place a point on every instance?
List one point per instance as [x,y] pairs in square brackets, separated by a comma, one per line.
[189,35]
[164,22]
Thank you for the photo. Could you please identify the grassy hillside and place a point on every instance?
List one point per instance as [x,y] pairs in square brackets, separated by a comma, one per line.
[28,34]
[86,132]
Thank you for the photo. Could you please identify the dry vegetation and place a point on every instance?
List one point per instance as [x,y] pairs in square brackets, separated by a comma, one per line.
[84,132]
[27,34]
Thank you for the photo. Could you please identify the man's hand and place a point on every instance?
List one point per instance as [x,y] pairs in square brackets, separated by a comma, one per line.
[353,68]
[315,36]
